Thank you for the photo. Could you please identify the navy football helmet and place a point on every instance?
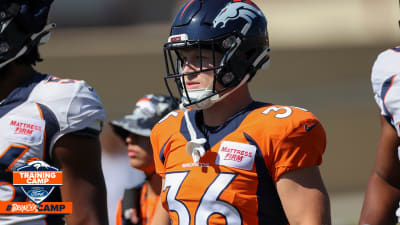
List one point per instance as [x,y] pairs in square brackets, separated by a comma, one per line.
[23,25]
[235,28]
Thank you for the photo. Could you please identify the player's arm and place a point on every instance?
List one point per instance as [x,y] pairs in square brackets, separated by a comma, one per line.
[161,216]
[83,183]
[304,197]
[383,191]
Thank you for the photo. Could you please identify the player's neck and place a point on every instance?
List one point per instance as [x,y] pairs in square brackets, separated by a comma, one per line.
[223,110]
[154,185]
[12,77]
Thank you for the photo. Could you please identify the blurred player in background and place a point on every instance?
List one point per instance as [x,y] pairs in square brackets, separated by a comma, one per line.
[138,204]
[118,173]
[228,159]
[383,190]
[43,117]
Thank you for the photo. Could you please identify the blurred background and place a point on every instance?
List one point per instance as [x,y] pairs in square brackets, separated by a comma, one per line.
[322,52]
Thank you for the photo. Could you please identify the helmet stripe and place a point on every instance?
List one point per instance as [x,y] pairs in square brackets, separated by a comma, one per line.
[184,10]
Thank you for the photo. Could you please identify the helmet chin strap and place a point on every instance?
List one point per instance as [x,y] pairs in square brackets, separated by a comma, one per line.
[196,94]
[195,146]
[21,52]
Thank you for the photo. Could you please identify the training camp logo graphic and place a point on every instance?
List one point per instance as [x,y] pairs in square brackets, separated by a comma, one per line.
[234,11]
[37,179]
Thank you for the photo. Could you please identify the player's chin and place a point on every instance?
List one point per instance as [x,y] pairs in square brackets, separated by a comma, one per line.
[137,162]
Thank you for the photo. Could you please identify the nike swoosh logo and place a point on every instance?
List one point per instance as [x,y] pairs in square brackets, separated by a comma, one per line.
[308,128]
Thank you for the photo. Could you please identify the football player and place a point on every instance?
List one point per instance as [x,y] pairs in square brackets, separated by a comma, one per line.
[226,158]
[46,118]
[383,190]
[139,203]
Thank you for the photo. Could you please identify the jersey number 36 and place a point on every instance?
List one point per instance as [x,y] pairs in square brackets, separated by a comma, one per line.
[209,203]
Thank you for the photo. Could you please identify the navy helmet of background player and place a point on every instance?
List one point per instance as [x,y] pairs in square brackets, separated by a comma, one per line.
[23,27]
[242,38]
[66,114]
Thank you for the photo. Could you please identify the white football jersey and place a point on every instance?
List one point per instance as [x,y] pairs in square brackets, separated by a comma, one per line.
[386,85]
[32,118]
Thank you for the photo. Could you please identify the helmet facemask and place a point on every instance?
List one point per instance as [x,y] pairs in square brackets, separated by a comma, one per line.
[193,98]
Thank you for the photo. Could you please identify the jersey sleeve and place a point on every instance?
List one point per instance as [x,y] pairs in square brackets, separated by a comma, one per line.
[158,152]
[391,101]
[385,66]
[85,111]
[161,138]
[159,165]
[302,145]
[74,103]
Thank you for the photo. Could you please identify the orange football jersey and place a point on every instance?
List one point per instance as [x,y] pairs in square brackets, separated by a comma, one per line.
[234,182]
[147,205]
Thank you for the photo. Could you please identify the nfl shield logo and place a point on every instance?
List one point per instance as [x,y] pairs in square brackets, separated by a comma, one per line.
[37,179]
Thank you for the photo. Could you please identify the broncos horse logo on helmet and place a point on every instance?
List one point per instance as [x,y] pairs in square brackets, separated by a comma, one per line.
[236,10]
